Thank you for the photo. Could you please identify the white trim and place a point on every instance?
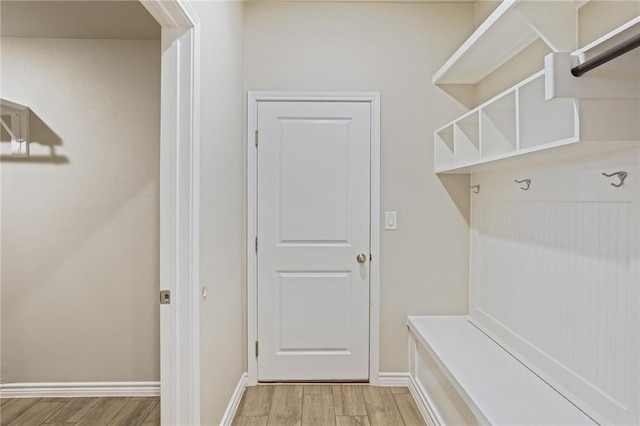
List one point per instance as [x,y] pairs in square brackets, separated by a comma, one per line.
[172,13]
[424,403]
[405,379]
[374,313]
[394,379]
[234,403]
[179,210]
[78,389]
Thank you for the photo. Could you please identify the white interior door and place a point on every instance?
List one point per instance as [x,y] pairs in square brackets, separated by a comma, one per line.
[313,223]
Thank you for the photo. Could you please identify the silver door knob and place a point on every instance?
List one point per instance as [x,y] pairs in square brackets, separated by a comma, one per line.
[361,258]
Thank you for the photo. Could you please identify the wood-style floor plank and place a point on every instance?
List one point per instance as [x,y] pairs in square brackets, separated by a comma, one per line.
[348,400]
[286,406]
[37,413]
[250,421]
[73,410]
[317,410]
[59,424]
[381,406]
[409,410]
[259,404]
[154,415]
[305,405]
[14,407]
[134,412]
[317,390]
[352,421]
[103,412]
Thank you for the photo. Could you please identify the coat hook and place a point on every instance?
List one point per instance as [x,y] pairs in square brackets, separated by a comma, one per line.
[476,188]
[527,182]
[621,175]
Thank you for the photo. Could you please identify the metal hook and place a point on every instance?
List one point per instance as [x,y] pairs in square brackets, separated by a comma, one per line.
[621,175]
[476,188]
[527,182]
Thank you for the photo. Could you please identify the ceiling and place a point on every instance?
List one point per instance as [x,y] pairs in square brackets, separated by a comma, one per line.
[94,19]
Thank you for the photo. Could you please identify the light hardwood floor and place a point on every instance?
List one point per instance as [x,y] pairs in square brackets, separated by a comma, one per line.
[327,405]
[80,411]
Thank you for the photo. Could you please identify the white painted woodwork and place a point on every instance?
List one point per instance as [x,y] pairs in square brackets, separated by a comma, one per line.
[554,270]
[234,401]
[253,100]
[554,275]
[498,127]
[521,122]
[554,21]
[542,122]
[466,140]
[467,378]
[179,206]
[314,189]
[15,122]
[617,79]
[79,389]
[512,27]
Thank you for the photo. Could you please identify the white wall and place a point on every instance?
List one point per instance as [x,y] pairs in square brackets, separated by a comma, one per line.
[393,49]
[80,237]
[222,214]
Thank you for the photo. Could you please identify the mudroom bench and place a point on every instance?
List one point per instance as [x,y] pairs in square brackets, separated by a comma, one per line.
[463,377]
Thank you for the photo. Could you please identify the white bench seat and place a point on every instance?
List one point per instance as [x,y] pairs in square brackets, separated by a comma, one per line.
[495,387]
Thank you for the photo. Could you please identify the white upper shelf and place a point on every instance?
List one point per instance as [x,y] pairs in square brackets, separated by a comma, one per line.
[513,26]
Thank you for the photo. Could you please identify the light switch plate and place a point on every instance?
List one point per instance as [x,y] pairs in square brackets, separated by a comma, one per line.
[390,221]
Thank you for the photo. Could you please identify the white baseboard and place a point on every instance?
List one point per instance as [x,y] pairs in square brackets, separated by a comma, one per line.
[78,389]
[421,399]
[424,403]
[234,403]
[394,379]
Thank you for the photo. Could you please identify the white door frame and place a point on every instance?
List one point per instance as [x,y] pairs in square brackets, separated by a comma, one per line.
[252,217]
[179,210]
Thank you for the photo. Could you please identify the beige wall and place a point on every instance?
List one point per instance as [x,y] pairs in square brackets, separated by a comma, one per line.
[393,49]
[222,214]
[598,17]
[80,237]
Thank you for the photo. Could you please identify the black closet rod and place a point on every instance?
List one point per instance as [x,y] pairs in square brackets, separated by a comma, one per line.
[607,55]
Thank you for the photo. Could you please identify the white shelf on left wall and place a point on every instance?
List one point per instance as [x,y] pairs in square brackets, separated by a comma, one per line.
[512,26]
[14,120]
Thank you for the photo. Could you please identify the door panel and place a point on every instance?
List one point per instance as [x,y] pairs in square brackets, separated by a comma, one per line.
[313,220]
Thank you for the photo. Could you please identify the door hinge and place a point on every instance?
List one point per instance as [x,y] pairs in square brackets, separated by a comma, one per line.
[256,138]
[370,258]
[256,245]
[165,297]
[256,349]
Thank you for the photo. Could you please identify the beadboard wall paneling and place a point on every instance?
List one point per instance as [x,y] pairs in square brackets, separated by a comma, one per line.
[555,276]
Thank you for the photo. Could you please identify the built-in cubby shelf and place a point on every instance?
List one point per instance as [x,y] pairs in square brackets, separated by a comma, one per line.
[512,26]
[550,109]
[515,122]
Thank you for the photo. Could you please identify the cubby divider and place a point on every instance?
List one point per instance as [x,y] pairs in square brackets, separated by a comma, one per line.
[543,122]
[517,121]
[443,151]
[498,127]
[466,140]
